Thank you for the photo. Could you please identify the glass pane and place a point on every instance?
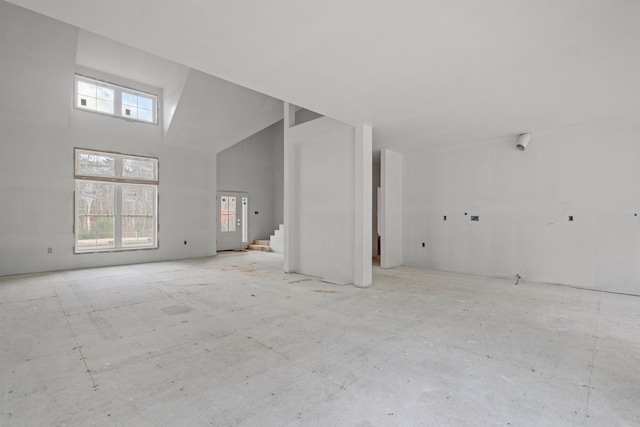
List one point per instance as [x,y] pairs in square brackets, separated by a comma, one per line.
[138,200]
[138,168]
[105,106]
[86,89]
[129,99]
[224,206]
[231,214]
[145,103]
[84,101]
[105,93]
[138,231]
[129,111]
[95,207]
[95,164]
[138,215]
[245,231]
[145,115]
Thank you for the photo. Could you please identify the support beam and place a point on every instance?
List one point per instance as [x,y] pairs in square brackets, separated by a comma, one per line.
[363,209]
[290,249]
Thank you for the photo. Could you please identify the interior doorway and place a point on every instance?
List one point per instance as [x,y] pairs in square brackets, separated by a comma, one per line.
[233,227]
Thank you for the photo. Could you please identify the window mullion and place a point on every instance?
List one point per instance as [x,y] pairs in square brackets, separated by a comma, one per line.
[117,104]
[118,216]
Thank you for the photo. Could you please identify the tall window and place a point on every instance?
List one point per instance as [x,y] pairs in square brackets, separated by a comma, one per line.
[114,100]
[116,201]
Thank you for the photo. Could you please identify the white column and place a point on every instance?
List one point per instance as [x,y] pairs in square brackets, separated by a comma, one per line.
[363,209]
[391,226]
[289,191]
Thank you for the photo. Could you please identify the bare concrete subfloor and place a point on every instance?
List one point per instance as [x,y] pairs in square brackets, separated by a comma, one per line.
[231,340]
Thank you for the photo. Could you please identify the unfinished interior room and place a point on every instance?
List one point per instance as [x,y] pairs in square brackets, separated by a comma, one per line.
[320,213]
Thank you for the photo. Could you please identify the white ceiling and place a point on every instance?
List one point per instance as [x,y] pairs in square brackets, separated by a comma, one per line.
[423,73]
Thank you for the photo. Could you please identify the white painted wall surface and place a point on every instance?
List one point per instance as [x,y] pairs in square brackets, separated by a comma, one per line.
[39,129]
[250,166]
[278,173]
[523,200]
[391,238]
[324,208]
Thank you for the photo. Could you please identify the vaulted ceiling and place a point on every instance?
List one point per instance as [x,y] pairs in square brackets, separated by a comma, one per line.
[422,73]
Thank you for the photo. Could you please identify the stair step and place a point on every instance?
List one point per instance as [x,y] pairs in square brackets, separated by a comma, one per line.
[262,242]
[263,248]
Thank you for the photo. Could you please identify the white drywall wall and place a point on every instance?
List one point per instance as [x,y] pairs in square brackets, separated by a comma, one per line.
[213,114]
[250,166]
[39,129]
[34,51]
[391,237]
[278,173]
[324,191]
[523,200]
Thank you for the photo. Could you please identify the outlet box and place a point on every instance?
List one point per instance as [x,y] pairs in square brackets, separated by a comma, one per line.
[185,242]
[571,218]
[49,250]
[475,218]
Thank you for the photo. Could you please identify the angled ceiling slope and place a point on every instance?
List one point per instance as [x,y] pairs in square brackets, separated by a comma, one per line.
[423,73]
[199,111]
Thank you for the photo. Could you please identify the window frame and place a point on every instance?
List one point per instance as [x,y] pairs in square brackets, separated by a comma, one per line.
[119,182]
[118,90]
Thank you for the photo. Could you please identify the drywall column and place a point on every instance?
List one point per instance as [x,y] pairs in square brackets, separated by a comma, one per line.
[391,227]
[213,205]
[363,207]
[289,190]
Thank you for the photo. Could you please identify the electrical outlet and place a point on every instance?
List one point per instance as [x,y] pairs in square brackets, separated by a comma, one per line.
[423,244]
[444,218]
[185,242]
[475,218]
[49,250]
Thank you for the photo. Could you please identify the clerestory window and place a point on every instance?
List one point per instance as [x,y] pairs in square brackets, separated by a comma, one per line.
[108,98]
[116,201]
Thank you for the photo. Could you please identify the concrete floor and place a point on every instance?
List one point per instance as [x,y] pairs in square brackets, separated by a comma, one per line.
[231,340]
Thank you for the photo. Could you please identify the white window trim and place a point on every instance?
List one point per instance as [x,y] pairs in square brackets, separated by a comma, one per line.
[119,181]
[118,90]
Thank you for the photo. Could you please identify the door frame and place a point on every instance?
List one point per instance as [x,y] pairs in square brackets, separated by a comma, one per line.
[226,240]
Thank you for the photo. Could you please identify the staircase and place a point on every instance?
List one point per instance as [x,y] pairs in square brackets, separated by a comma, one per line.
[260,245]
[277,240]
[274,244]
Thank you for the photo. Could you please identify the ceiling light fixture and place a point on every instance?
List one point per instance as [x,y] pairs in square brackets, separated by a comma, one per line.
[523,141]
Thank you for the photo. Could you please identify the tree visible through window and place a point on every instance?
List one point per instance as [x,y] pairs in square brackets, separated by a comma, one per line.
[116,201]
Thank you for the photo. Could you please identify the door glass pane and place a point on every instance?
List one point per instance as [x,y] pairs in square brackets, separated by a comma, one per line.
[245,233]
[96,215]
[231,214]
[224,205]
